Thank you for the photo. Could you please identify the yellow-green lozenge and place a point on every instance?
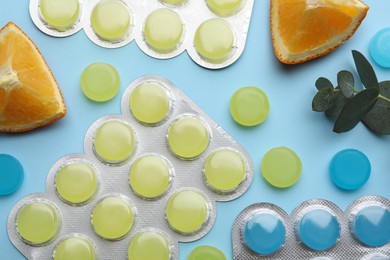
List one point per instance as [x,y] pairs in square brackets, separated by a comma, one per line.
[38,223]
[76,183]
[100,81]
[214,40]
[150,103]
[150,176]
[225,8]
[148,245]
[188,137]
[187,211]
[111,20]
[59,14]
[74,248]
[114,142]
[112,218]
[163,30]
[174,2]
[224,170]
[281,167]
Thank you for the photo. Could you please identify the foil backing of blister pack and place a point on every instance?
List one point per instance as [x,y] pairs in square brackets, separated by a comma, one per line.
[347,246]
[192,13]
[113,179]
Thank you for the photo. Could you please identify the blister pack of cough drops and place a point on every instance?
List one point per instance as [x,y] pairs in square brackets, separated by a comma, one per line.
[316,229]
[149,178]
[212,31]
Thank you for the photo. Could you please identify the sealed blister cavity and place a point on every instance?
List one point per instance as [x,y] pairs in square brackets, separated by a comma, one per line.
[75,247]
[114,142]
[132,194]
[206,252]
[57,18]
[77,182]
[150,244]
[38,222]
[151,103]
[213,32]
[188,137]
[316,229]
[150,176]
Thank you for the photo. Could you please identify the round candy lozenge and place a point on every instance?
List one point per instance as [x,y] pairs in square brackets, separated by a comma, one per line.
[150,103]
[163,30]
[38,223]
[11,174]
[214,40]
[380,47]
[349,169]
[371,226]
[114,142]
[111,20]
[112,218]
[188,137]
[224,170]
[100,82]
[281,167]
[59,14]
[187,212]
[206,252]
[147,245]
[150,176]
[225,8]
[264,233]
[319,229]
[249,106]
[74,248]
[76,183]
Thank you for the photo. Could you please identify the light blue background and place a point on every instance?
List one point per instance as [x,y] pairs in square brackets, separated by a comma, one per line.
[290,123]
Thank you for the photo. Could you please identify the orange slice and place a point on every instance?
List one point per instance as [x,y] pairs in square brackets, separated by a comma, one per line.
[306,29]
[29,94]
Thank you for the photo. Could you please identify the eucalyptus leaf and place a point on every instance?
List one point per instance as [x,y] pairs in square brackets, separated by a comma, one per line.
[378,119]
[339,102]
[346,83]
[366,72]
[355,110]
[323,83]
[323,100]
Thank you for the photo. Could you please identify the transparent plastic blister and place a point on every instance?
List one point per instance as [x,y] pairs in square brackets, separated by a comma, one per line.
[316,229]
[213,32]
[107,180]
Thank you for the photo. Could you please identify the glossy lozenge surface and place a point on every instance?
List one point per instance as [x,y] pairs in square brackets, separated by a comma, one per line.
[225,8]
[380,47]
[147,245]
[11,174]
[163,30]
[74,248]
[59,14]
[206,252]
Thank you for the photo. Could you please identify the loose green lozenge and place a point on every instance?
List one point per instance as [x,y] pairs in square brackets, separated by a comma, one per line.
[114,142]
[224,170]
[150,103]
[281,167]
[111,20]
[163,30]
[112,218]
[206,252]
[38,223]
[59,14]
[214,40]
[76,183]
[148,245]
[174,2]
[249,106]
[74,248]
[150,176]
[187,212]
[225,8]
[100,82]
[188,137]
